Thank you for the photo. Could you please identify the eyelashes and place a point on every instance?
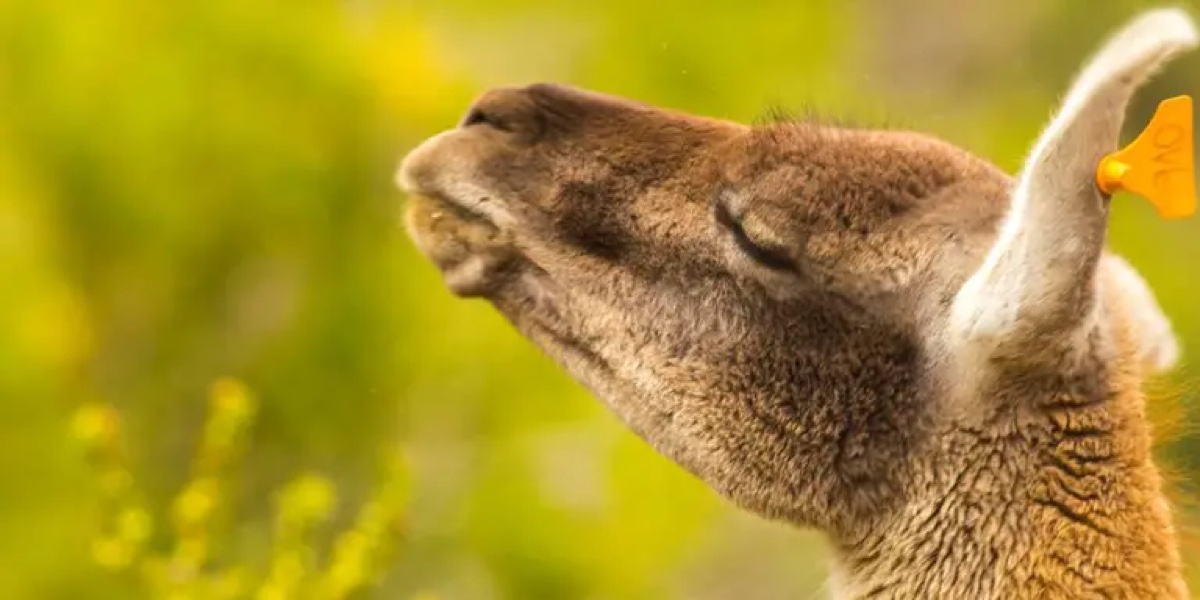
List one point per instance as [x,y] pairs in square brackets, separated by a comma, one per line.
[767,255]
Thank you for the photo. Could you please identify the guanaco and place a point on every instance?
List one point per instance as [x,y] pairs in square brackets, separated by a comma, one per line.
[872,333]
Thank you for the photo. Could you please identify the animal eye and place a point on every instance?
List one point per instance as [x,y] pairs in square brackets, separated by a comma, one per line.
[765,254]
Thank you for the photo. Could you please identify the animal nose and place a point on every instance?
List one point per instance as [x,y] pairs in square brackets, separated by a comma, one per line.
[511,110]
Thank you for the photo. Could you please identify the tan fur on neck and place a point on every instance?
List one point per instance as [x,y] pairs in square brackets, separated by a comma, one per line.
[1090,520]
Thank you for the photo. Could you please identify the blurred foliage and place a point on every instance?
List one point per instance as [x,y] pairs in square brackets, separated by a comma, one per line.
[194,189]
[291,570]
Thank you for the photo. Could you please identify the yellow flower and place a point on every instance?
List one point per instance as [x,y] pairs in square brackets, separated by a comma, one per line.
[195,504]
[358,554]
[272,592]
[190,553]
[229,398]
[402,49]
[231,584]
[343,578]
[112,554]
[287,570]
[134,525]
[352,546]
[95,424]
[231,408]
[307,499]
[53,324]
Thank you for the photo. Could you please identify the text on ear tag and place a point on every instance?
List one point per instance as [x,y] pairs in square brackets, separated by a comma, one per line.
[1159,165]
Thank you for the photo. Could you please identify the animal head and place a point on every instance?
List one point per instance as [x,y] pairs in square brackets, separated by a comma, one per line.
[794,311]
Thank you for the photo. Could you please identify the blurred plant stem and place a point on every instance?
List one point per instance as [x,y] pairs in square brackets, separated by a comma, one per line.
[192,567]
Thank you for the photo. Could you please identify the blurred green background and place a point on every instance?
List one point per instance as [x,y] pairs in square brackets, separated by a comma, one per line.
[191,190]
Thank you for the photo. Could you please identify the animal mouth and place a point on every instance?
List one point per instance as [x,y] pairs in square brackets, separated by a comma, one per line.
[474,256]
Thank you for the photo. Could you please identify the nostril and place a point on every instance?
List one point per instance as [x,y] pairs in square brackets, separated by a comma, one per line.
[511,111]
[476,116]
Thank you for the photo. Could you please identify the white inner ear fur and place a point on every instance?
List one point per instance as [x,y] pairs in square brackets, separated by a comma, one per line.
[1040,276]
[1157,345]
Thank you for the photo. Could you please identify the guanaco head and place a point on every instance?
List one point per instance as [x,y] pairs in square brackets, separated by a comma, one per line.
[799,314]
[749,300]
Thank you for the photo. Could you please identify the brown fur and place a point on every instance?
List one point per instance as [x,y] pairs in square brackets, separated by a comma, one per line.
[766,306]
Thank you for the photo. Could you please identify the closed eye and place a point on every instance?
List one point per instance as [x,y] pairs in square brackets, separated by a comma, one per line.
[771,257]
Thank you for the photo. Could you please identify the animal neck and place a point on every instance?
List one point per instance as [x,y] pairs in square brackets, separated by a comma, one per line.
[1057,498]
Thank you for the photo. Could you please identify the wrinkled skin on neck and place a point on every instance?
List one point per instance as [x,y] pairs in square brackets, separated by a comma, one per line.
[781,310]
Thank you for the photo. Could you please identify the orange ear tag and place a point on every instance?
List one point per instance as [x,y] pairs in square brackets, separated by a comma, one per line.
[1159,165]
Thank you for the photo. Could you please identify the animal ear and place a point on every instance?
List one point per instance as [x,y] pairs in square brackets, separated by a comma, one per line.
[1038,281]
[1089,121]
[1155,340]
